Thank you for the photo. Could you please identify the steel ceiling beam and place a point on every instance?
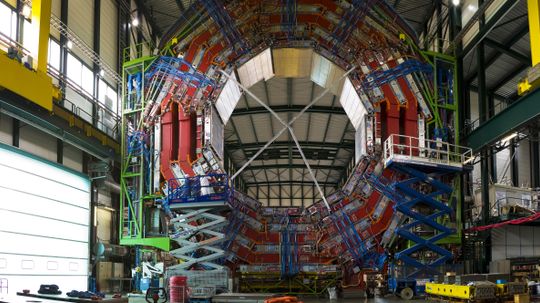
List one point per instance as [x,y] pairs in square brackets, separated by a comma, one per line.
[507,50]
[294,166]
[521,31]
[180,5]
[284,144]
[286,109]
[290,181]
[486,28]
[509,76]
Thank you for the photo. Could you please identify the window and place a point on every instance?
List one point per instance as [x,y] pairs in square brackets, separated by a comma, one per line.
[74,69]
[29,40]
[8,22]
[108,96]
[80,74]
[87,80]
[54,54]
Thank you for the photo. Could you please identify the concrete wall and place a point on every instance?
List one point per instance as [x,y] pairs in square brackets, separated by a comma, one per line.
[515,241]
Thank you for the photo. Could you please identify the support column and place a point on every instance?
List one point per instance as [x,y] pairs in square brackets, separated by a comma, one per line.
[533,10]
[535,159]
[96,67]
[41,23]
[16,129]
[63,48]
[514,163]
[59,151]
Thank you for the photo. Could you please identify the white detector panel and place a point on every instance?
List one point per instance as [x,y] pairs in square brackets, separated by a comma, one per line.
[325,73]
[257,69]
[227,100]
[44,223]
[350,101]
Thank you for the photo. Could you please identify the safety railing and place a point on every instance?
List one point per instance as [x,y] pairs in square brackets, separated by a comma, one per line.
[406,148]
[208,188]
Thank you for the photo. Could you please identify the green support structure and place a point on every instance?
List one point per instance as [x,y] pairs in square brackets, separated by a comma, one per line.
[135,195]
[509,120]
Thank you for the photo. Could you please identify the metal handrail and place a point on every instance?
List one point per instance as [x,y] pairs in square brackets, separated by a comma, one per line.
[192,189]
[431,150]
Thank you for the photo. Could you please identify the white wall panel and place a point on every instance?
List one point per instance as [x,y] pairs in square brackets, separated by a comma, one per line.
[37,142]
[524,163]
[45,223]
[504,167]
[81,22]
[104,221]
[108,32]
[515,241]
[56,7]
[73,157]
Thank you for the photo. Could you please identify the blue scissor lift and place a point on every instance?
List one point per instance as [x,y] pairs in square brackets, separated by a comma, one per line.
[422,195]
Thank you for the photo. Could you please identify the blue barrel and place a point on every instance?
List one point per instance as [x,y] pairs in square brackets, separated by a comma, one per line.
[145,284]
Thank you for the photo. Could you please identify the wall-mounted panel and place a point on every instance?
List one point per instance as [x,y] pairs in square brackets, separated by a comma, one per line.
[44,234]
[81,22]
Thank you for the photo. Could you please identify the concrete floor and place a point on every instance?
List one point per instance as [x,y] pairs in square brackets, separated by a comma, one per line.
[312,300]
[380,300]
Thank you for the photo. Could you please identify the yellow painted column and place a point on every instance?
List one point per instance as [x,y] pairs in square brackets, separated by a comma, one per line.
[534,29]
[41,22]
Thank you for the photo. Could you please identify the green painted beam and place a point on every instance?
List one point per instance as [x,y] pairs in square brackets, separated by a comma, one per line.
[509,120]
[162,243]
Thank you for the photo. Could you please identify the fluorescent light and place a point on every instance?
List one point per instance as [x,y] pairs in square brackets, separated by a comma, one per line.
[455,2]
[471,7]
[102,73]
[69,44]
[508,138]
[135,22]
[26,10]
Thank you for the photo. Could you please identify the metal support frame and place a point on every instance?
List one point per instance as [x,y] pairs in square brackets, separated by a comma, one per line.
[287,126]
[135,164]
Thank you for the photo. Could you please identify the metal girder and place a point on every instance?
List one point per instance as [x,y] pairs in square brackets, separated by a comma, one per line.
[154,31]
[511,75]
[521,31]
[180,5]
[507,50]
[287,108]
[61,130]
[285,144]
[292,181]
[515,116]
[488,26]
[294,166]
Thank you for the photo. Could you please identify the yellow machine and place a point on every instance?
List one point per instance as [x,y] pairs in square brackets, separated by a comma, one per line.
[475,292]
[508,290]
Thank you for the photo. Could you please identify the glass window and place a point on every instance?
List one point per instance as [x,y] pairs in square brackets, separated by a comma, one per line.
[113,96]
[29,39]
[8,21]
[54,54]
[87,80]
[108,96]
[74,69]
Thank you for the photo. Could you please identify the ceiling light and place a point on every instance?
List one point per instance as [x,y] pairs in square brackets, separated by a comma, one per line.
[102,72]
[455,2]
[26,10]
[135,22]
[471,7]
[508,138]
[69,44]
